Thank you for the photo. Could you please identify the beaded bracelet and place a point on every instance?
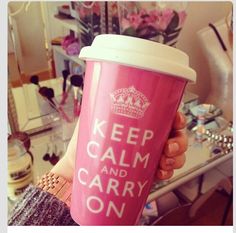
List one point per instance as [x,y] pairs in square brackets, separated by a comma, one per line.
[223,143]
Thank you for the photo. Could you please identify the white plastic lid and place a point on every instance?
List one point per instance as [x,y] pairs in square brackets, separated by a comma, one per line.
[139,53]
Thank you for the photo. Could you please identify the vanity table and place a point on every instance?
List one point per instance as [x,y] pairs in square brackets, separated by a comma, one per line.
[48,136]
[198,162]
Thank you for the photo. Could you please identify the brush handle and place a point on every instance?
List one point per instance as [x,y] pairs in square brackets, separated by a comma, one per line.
[59,109]
[52,102]
[64,115]
[75,107]
[64,84]
[64,97]
[78,109]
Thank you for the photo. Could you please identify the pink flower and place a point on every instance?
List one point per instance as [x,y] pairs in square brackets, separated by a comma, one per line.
[134,20]
[143,12]
[182,17]
[153,16]
[96,8]
[125,23]
[81,12]
[164,19]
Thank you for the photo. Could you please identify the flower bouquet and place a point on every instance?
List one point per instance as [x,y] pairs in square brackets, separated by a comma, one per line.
[89,13]
[157,21]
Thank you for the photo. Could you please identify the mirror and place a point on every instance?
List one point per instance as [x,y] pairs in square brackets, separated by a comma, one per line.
[31,27]
[38,33]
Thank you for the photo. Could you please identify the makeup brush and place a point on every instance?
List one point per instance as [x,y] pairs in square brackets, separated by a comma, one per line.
[43,91]
[50,96]
[65,74]
[35,80]
[76,81]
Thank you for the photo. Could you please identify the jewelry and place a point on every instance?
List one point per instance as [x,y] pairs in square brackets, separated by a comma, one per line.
[57,186]
[223,144]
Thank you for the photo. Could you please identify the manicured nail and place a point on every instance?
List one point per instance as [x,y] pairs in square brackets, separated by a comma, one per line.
[163,173]
[181,117]
[170,162]
[173,147]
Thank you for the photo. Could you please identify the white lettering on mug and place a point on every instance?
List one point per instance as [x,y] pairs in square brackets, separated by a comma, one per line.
[89,145]
[123,173]
[79,175]
[104,170]
[114,171]
[148,134]
[96,181]
[141,186]
[122,158]
[118,131]
[139,157]
[129,186]
[116,160]
[111,206]
[109,154]
[97,127]
[115,132]
[132,135]
[113,184]
[98,200]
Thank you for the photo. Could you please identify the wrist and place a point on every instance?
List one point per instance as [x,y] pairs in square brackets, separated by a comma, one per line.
[64,169]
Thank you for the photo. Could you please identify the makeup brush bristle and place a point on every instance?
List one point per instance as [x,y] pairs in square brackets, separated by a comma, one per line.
[76,80]
[50,93]
[34,79]
[43,91]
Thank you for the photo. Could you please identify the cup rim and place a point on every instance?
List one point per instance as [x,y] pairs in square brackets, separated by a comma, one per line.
[139,53]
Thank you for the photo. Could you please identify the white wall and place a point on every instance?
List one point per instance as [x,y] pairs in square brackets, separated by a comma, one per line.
[200,14]
[53,29]
[29,27]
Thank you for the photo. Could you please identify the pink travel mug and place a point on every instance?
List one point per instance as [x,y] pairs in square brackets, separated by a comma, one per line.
[132,91]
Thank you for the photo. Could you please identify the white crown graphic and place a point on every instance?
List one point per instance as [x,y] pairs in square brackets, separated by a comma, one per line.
[129,102]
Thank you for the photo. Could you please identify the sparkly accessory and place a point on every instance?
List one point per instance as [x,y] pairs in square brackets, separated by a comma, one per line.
[223,142]
[57,186]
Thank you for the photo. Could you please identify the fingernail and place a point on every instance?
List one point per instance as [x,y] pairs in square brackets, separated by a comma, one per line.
[163,173]
[170,162]
[181,118]
[173,147]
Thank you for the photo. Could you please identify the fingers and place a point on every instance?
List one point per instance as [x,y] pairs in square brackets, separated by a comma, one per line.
[169,164]
[71,148]
[164,175]
[180,121]
[173,154]
[177,145]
